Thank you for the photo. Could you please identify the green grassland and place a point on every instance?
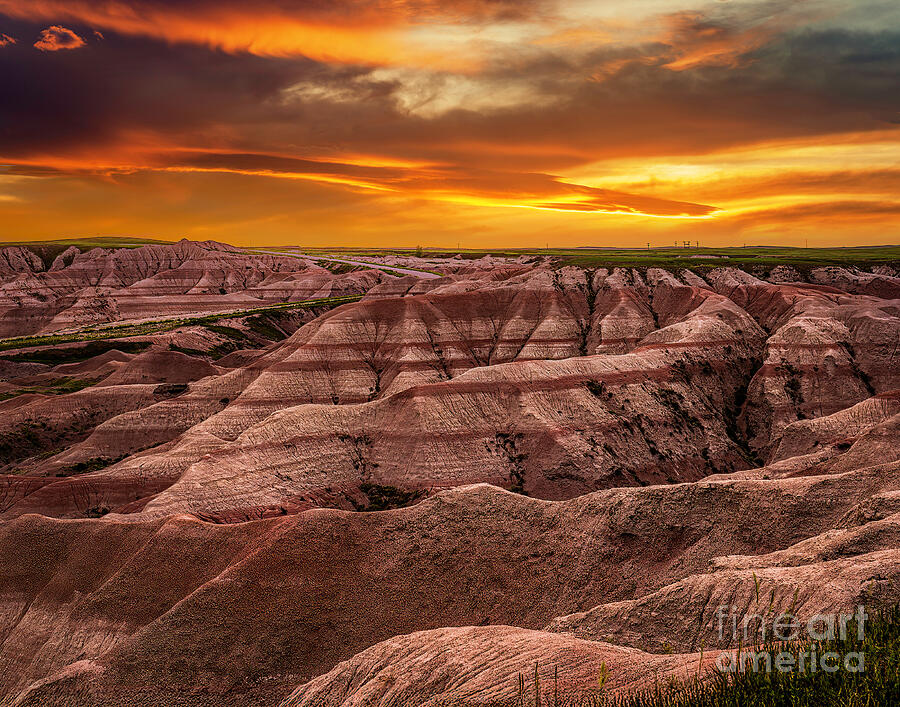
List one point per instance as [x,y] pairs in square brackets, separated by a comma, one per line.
[800,258]
[670,257]
[88,243]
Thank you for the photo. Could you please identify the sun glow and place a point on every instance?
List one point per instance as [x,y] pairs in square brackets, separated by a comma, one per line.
[500,120]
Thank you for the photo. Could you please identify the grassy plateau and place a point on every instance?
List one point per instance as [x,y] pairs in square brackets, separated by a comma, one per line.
[668,257]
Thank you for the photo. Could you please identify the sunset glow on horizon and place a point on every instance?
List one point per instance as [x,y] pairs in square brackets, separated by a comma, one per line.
[483,123]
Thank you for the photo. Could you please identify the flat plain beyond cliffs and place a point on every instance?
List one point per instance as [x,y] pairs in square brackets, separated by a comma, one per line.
[339,478]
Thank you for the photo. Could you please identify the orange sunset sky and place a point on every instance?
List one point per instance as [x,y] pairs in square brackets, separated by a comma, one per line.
[436,122]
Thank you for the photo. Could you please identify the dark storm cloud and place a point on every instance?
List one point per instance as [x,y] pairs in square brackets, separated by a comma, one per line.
[830,212]
[92,97]
[852,69]
[800,84]
[706,84]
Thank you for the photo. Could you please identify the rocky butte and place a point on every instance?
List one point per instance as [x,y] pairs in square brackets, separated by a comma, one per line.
[243,478]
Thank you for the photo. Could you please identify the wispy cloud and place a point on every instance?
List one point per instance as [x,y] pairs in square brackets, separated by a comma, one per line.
[376,32]
[57,38]
[457,107]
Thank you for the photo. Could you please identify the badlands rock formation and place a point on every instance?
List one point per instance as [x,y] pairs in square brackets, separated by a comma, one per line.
[103,285]
[574,468]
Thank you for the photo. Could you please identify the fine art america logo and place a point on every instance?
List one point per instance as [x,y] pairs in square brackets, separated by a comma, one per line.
[785,628]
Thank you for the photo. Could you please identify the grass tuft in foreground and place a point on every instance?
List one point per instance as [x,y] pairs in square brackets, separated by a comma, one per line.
[878,685]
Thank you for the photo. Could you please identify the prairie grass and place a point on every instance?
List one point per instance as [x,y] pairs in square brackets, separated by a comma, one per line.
[58,386]
[877,686]
[666,257]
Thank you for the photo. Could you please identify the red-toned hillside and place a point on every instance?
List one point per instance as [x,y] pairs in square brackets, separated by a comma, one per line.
[573,467]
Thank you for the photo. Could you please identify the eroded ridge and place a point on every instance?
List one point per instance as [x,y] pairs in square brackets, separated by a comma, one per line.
[578,467]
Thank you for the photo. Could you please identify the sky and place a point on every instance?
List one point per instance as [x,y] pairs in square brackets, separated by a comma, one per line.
[472,123]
